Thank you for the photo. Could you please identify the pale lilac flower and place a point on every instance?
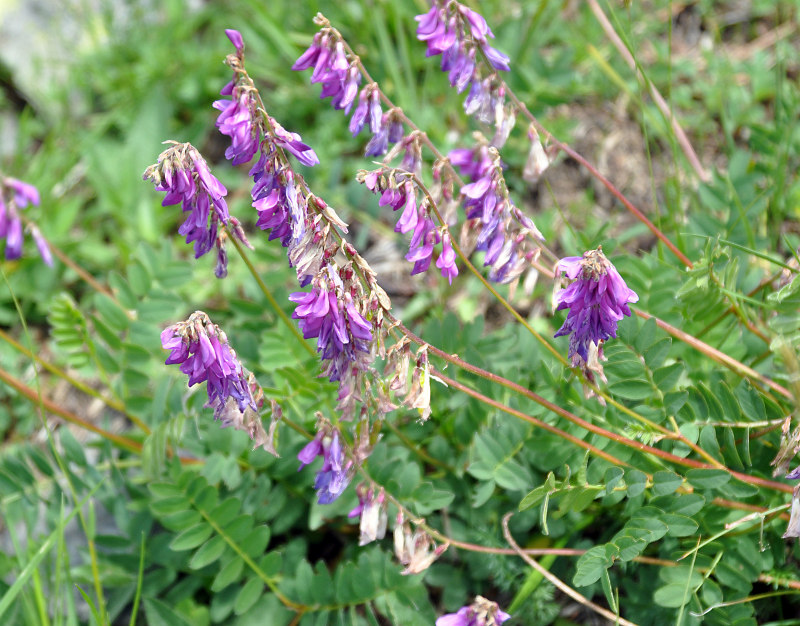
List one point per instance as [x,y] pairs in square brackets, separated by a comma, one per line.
[293,142]
[16,195]
[41,245]
[597,300]
[481,612]
[236,121]
[336,471]
[447,259]
[204,355]
[372,513]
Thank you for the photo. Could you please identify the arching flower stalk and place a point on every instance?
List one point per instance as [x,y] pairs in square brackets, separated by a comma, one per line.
[16,195]
[184,175]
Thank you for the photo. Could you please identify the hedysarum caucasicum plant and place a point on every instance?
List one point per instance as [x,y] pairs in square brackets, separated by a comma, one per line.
[342,307]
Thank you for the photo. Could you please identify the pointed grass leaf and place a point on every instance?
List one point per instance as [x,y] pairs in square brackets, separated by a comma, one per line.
[161,614]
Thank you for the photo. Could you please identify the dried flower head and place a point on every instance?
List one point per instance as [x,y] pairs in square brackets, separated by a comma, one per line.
[372,513]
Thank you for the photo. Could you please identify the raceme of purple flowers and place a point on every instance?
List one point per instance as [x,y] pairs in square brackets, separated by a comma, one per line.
[204,355]
[334,475]
[343,335]
[16,195]
[597,300]
[481,612]
[485,200]
[340,79]
[184,175]
[414,218]
[457,32]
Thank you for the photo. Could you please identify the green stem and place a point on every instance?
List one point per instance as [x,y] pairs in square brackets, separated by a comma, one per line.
[53,369]
[270,298]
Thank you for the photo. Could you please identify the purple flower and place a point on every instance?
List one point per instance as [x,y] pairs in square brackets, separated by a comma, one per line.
[486,201]
[292,142]
[16,195]
[339,76]
[447,259]
[481,612]
[203,352]
[343,336]
[236,121]
[281,207]
[597,300]
[334,475]
[184,175]
[236,39]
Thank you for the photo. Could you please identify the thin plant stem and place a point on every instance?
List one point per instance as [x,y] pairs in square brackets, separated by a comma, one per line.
[53,369]
[658,99]
[270,298]
[558,583]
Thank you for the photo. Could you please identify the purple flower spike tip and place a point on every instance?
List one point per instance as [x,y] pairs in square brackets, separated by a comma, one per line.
[597,300]
[236,39]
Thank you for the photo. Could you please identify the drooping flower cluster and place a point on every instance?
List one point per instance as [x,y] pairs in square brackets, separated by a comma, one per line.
[502,230]
[336,471]
[372,513]
[16,195]
[202,350]
[184,175]
[398,190]
[340,77]
[481,612]
[597,300]
[328,313]
[458,33]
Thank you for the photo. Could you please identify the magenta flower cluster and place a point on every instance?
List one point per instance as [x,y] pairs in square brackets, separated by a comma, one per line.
[458,33]
[184,175]
[486,200]
[16,195]
[414,219]
[204,355]
[340,79]
[597,300]
[334,475]
[343,335]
